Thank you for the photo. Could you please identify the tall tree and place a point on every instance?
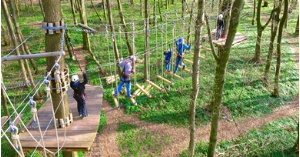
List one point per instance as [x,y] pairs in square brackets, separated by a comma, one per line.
[222,61]
[297,27]
[274,29]
[5,36]
[96,10]
[259,28]
[14,39]
[183,6]
[72,3]
[104,11]
[254,9]
[226,7]
[52,43]
[190,23]
[124,28]
[141,8]
[146,45]
[85,36]
[195,79]
[279,38]
[112,29]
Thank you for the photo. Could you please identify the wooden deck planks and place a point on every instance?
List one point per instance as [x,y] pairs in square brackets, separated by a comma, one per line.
[237,39]
[80,134]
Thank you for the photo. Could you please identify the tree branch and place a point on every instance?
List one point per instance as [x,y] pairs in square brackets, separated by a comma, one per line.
[263,27]
[210,40]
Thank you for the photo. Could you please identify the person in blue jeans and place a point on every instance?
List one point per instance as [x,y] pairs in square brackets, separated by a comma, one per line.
[127,70]
[180,49]
[79,94]
[168,55]
[220,26]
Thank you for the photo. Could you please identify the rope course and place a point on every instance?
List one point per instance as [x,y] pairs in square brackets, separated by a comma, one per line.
[164,45]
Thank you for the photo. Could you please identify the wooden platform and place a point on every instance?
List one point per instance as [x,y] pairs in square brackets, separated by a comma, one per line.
[80,134]
[237,40]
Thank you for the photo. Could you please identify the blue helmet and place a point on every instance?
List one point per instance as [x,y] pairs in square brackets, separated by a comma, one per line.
[180,40]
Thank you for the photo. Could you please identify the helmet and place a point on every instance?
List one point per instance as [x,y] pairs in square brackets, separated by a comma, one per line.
[133,58]
[220,16]
[169,50]
[75,78]
[180,40]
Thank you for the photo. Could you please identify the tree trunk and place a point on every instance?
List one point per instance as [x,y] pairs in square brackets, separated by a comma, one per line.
[31,3]
[159,10]
[154,14]
[260,29]
[41,7]
[4,104]
[73,11]
[254,8]
[6,38]
[274,29]
[52,43]
[220,75]
[13,37]
[141,8]
[104,10]
[167,5]
[190,24]
[96,10]
[85,36]
[19,34]
[226,8]
[183,3]
[68,41]
[132,2]
[195,78]
[112,29]
[279,37]
[124,28]
[146,45]
[17,7]
[297,27]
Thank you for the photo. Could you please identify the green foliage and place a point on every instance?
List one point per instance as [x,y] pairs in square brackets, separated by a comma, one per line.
[274,139]
[102,122]
[139,142]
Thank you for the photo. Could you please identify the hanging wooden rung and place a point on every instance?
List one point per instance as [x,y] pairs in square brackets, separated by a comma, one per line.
[38,55]
[206,48]
[165,80]
[200,57]
[86,27]
[133,101]
[175,75]
[115,100]
[189,61]
[154,85]
[137,92]
[144,91]
[186,69]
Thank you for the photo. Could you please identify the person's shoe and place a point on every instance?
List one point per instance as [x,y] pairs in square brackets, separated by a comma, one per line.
[84,117]
[115,96]
[131,96]
[80,115]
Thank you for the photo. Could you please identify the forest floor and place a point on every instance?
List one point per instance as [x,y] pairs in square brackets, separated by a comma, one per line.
[228,128]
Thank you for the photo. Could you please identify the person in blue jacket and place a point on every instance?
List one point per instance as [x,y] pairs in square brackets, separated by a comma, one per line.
[168,55]
[180,49]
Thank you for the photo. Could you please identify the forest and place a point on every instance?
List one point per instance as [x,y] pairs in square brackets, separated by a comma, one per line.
[159,78]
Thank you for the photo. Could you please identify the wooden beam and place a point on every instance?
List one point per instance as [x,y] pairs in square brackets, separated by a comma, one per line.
[165,80]
[86,27]
[186,69]
[189,61]
[133,101]
[200,57]
[170,73]
[144,91]
[38,55]
[154,85]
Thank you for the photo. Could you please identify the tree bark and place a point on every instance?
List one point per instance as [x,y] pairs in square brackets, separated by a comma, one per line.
[154,14]
[104,11]
[124,28]
[183,3]
[68,41]
[226,8]
[13,37]
[4,104]
[190,24]
[279,38]
[254,8]
[220,75]
[31,3]
[41,7]
[85,36]
[6,38]
[274,29]
[17,7]
[146,45]
[195,78]
[112,29]
[159,10]
[73,11]
[260,28]
[141,8]
[297,27]
[52,43]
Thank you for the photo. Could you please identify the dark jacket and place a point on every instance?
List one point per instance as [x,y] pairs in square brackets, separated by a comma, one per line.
[79,87]
[168,56]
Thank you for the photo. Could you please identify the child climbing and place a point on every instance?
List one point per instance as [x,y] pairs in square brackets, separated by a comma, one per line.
[168,55]
[79,94]
[220,26]
[180,49]
[127,69]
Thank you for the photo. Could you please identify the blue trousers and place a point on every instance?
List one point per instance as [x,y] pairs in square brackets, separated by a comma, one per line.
[178,61]
[219,33]
[81,107]
[168,65]
[120,86]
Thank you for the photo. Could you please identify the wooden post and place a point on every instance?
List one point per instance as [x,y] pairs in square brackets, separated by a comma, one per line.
[143,90]
[165,80]
[86,27]
[39,55]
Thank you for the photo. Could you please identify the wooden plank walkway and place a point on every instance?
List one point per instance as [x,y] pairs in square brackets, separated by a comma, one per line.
[237,40]
[80,134]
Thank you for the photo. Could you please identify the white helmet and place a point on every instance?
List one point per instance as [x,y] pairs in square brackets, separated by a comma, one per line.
[133,58]
[220,16]
[75,78]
